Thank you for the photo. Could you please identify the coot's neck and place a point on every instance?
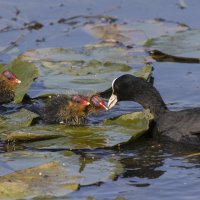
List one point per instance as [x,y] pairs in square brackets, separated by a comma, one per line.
[150,98]
[156,107]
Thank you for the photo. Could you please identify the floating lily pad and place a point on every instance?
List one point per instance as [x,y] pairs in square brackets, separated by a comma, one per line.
[136,122]
[185,44]
[26,72]
[21,136]
[113,132]
[70,137]
[99,54]
[1,67]
[108,134]
[134,32]
[47,179]
[15,121]
[109,169]
[144,72]
[64,172]
[91,69]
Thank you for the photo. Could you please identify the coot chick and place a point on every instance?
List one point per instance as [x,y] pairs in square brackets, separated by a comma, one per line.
[66,109]
[96,103]
[179,126]
[8,84]
[71,110]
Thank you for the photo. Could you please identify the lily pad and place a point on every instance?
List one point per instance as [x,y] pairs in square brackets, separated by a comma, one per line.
[134,32]
[64,171]
[185,44]
[21,136]
[108,134]
[144,72]
[101,54]
[109,169]
[92,69]
[26,72]
[47,179]
[137,122]
[1,67]
[15,121]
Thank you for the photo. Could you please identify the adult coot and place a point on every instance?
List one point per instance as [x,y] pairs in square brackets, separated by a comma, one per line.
[180,126]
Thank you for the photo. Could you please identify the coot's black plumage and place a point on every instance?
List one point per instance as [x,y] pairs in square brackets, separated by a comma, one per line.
[180,126]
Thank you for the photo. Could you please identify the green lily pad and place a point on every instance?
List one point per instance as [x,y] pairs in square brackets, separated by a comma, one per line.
[69,137]
[15,121]
[144,72]
[26,72]
[107,134]
[2,67]
[98,54]
[137,123]
[82,71]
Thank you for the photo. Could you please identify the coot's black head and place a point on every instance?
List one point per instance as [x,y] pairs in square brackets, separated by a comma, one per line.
[125,88]
[131,88]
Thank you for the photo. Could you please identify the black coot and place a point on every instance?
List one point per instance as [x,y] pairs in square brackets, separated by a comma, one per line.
[180,126]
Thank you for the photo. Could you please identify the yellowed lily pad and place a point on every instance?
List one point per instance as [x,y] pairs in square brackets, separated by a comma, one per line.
[184,44]
[21,136]
[50,179]
[136,32]
[86,170]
